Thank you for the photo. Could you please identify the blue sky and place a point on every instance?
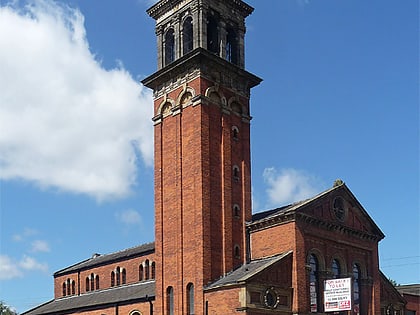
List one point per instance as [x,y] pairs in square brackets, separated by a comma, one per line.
[339,100]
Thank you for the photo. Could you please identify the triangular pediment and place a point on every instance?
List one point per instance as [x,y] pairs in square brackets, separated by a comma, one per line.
[338,209]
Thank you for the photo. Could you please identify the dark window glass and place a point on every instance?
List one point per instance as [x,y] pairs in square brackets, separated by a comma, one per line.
[112,279]
[147,270]
[212,35]
[153,270]
[87,284]
[190,299]
[170,301]
[97,282]
[124,276]
[187,36]
[118,276]
[356,289]
[336,268]
[73,287]
[314,283]
[141,273]
[231,47]
[169,46]
[64,289]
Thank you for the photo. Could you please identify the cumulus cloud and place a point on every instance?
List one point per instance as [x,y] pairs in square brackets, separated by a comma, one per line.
[10,269]
[65,121]
[30,263]
[289,185]
[129,217]
[40,246]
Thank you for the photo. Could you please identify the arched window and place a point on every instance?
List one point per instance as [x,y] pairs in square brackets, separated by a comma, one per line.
[314,283]
[212,35]
[64,289]
[237,251]
[141,276]
[112,278]
[73,287]
[356,289]
[236,211]
[190,299]
[236,173]
[153,270]
[87,284]
[231,46]
[118,276]
[68,287]
[235,133]
[336,268]
[124,276]
[187,36]
[147,270]
[170,301]
[92,282]
[97,282]
[169,46]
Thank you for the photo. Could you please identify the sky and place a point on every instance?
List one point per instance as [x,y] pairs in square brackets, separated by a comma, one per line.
[339,99]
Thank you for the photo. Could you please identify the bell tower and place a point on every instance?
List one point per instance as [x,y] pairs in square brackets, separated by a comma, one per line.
[202,147]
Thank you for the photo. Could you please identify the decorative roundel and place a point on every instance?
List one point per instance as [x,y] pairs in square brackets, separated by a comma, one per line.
[270,298]
[339,208]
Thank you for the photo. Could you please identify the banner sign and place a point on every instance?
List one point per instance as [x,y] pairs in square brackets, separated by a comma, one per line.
[337,295]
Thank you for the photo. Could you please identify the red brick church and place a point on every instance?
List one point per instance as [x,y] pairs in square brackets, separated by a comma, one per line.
[211,254]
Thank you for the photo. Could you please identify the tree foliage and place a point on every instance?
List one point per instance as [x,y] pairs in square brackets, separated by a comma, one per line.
[6,310]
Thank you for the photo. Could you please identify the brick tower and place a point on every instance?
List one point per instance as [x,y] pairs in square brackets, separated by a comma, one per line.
[202,148]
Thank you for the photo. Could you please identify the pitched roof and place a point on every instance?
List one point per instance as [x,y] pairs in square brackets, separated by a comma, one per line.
[124,294]
[412,289]
[97,260]
[247,271]
[287,213]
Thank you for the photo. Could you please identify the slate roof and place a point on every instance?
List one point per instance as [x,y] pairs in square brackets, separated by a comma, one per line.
[108,258]
[412,289]
[247,271]
[140,291]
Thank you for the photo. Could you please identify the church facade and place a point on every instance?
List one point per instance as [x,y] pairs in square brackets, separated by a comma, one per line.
[211,254]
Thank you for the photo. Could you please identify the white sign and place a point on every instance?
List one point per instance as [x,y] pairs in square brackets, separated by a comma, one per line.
[337,295]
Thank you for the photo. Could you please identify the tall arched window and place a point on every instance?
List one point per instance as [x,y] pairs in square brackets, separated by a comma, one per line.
[64,289]
[73,287]
[231,46]
[212,35]
[118,275]
[97,282]
[92,282]
[124,276]
[190,299]
[187,36]
[153,270]
[336,268]
[169,46]
[314,283]
[68,287]
[356,289]
[112,278]
[87,284]
[141,276]
[170,301]
[147,270]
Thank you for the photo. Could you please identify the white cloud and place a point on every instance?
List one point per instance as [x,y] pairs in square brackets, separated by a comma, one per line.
[30,263]
[65,122]
[129,217]
[8,269]
[289,185]
[11,269]
[40,246]
[27,232]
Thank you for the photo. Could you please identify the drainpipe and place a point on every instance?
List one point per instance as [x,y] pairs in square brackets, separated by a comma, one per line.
[248,245]
[150,304]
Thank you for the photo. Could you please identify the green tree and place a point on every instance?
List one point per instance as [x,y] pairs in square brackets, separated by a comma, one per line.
[6,310]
